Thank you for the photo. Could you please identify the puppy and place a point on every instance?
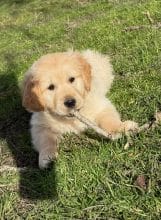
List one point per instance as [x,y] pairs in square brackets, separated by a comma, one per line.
[59,83]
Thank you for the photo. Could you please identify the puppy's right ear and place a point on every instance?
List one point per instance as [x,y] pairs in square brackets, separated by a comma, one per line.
[32,98]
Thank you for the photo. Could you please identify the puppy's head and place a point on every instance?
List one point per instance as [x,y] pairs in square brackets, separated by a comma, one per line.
[57,82]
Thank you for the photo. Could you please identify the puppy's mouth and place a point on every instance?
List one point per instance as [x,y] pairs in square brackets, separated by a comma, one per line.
[66,109]
[69,114]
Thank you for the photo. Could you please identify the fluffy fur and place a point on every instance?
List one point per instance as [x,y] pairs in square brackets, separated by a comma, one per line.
[83,76]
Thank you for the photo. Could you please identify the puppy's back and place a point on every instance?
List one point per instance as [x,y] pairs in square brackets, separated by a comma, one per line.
[102,72]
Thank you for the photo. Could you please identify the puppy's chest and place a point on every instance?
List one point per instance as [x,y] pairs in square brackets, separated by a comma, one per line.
[67,126]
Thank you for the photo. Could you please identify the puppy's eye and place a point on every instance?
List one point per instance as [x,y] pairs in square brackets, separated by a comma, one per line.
[51,87]
[71,79]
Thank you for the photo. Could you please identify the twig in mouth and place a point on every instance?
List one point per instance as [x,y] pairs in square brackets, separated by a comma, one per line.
[90,124]
[151,124]
[139,27]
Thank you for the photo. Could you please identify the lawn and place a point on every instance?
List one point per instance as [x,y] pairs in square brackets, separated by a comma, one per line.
[93,178]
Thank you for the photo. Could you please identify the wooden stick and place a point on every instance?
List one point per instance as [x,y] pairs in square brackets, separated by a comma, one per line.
[146,126]
[90,124]
[138,27]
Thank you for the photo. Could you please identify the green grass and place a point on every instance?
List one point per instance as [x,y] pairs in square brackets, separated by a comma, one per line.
[93,178]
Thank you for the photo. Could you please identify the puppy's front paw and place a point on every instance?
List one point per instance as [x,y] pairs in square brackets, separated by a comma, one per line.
[115,136]
[46,159]
[128,126]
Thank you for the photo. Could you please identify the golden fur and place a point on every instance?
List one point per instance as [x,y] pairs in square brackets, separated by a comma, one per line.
[49,83]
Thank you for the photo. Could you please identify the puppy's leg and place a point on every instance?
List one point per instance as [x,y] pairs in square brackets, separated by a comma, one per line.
[109,120]
[45,142]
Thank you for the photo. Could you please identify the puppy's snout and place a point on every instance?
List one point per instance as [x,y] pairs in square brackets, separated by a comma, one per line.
[70,102]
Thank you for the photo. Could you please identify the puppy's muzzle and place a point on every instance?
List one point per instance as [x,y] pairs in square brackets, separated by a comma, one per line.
[70,102]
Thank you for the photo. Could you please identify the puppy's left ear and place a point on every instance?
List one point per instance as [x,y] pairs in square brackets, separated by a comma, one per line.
[86,74]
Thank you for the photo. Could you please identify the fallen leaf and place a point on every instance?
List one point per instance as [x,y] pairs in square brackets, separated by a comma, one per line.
[141,182]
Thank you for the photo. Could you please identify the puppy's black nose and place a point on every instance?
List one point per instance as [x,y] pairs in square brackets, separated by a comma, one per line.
[70,103]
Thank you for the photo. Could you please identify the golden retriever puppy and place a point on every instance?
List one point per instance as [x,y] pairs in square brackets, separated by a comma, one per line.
[59,83]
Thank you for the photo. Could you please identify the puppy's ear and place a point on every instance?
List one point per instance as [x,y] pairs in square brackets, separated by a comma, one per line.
[86,73]
[32,96]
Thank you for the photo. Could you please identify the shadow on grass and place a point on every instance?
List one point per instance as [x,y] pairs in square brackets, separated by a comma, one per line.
[14,129]
[11,2]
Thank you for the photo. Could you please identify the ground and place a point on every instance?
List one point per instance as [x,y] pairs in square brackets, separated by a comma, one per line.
[93,178]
